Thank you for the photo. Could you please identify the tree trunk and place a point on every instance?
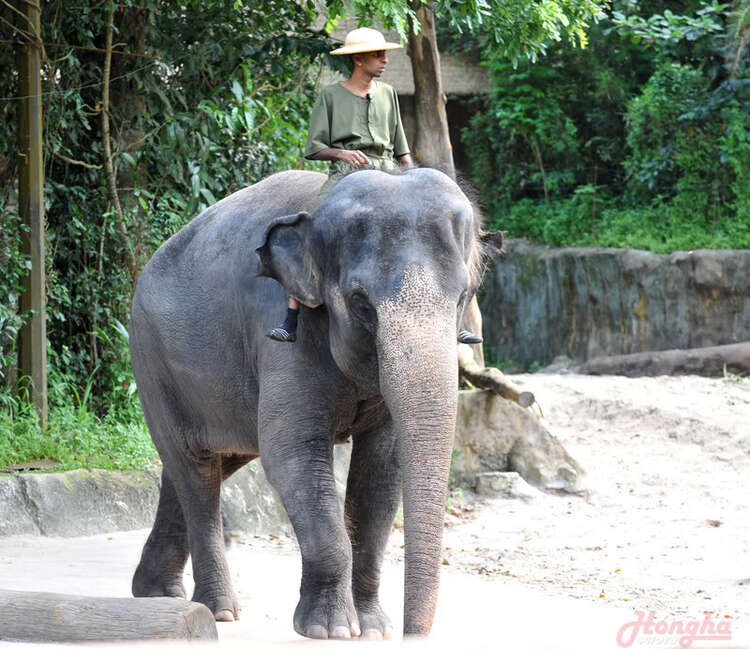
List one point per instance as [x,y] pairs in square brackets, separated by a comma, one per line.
[432,145]
[127,107]
[704,361]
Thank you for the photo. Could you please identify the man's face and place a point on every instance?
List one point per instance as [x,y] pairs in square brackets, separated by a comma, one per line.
[373,63]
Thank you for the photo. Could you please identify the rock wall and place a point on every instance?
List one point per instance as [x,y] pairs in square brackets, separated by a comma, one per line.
[539,302]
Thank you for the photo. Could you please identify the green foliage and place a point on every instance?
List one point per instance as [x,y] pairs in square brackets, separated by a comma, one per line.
[15,265]
[670,27]
[734,145]
[80,433]
[683,149]
[76,435]
[546,129]
[622,145]
[518,29]
[524,141]
[654,124]
[524,30]
[660,227]
[208,97]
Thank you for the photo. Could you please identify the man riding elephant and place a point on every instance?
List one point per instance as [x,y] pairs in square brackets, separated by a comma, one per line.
[356,124]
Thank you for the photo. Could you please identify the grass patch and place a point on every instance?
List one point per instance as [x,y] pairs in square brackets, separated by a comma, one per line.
[660,228]
[76,437]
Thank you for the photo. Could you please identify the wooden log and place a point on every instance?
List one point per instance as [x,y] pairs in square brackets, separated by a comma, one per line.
[490,378]
[704,361]
[54,617]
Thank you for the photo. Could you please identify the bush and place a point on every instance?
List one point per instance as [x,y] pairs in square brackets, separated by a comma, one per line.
[673,136]
[628,142]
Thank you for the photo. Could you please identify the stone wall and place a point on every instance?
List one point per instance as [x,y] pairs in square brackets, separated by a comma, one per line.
[539,302]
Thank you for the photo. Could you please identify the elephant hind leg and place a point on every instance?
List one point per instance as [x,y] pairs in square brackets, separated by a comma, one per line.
[188,522]
[159,573]
[199,492]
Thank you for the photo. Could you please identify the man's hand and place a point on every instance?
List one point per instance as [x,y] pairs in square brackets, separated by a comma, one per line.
[405,161]
[355,158]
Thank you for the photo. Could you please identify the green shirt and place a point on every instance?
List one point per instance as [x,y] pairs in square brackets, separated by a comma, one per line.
[342,120]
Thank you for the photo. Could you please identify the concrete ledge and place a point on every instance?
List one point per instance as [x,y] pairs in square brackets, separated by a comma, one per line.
[92,501]
[493,434]
[77,503]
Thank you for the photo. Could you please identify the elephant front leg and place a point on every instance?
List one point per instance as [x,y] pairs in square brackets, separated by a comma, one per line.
[299,466]
[373,492]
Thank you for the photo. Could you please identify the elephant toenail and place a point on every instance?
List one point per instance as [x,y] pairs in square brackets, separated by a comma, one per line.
[316,631]
[224,616]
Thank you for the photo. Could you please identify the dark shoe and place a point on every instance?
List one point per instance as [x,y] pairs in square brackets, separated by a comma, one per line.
[282,335]
[468,338]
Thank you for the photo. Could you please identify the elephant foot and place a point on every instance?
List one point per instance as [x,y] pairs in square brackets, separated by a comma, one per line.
[373,622]
[328,613]
[144,587]
[225,608]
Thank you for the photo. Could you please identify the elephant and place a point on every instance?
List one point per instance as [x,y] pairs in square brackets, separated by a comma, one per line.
[384,267]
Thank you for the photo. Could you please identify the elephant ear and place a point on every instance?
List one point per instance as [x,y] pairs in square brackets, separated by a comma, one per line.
[286,256]
[492,243]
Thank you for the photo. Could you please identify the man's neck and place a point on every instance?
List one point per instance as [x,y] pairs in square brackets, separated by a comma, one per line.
[360,83]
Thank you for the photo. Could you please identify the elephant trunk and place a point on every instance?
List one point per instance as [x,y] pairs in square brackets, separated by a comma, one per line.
[418,379]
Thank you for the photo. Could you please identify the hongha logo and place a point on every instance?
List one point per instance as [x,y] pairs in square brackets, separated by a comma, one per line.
[685,632]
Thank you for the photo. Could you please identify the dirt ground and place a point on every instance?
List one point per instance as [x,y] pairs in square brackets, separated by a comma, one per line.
[664,524]
[662,527]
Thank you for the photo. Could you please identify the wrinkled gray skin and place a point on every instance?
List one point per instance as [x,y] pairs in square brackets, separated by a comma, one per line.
[390,257]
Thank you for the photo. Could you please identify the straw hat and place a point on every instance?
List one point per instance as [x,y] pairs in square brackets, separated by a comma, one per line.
[364,39]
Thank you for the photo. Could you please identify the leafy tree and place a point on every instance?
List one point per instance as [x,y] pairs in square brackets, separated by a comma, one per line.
[205,97]
[651,119]
[520,29]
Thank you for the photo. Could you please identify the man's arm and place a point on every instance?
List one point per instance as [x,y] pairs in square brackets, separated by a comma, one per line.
[354,157]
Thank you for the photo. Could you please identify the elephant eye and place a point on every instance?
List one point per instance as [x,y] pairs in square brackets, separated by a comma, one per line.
[362,309]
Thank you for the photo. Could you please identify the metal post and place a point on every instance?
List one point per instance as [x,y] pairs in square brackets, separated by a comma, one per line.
[32,354]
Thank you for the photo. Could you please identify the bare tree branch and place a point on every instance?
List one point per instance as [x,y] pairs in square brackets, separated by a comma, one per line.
[107,147]
[80,163]
[490,378]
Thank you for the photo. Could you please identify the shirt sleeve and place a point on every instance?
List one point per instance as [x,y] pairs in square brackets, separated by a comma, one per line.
[400,145]
[319,134]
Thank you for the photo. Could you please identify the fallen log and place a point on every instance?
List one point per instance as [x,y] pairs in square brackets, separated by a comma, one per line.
[54,617]
[490,378]
[703,361]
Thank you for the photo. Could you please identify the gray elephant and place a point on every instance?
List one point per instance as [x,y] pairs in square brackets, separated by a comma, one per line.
[392,260]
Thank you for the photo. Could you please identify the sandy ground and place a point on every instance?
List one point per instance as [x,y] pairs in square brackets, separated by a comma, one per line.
[665,523]
[662,528]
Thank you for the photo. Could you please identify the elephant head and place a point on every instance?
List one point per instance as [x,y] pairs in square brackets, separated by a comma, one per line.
[395,259]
